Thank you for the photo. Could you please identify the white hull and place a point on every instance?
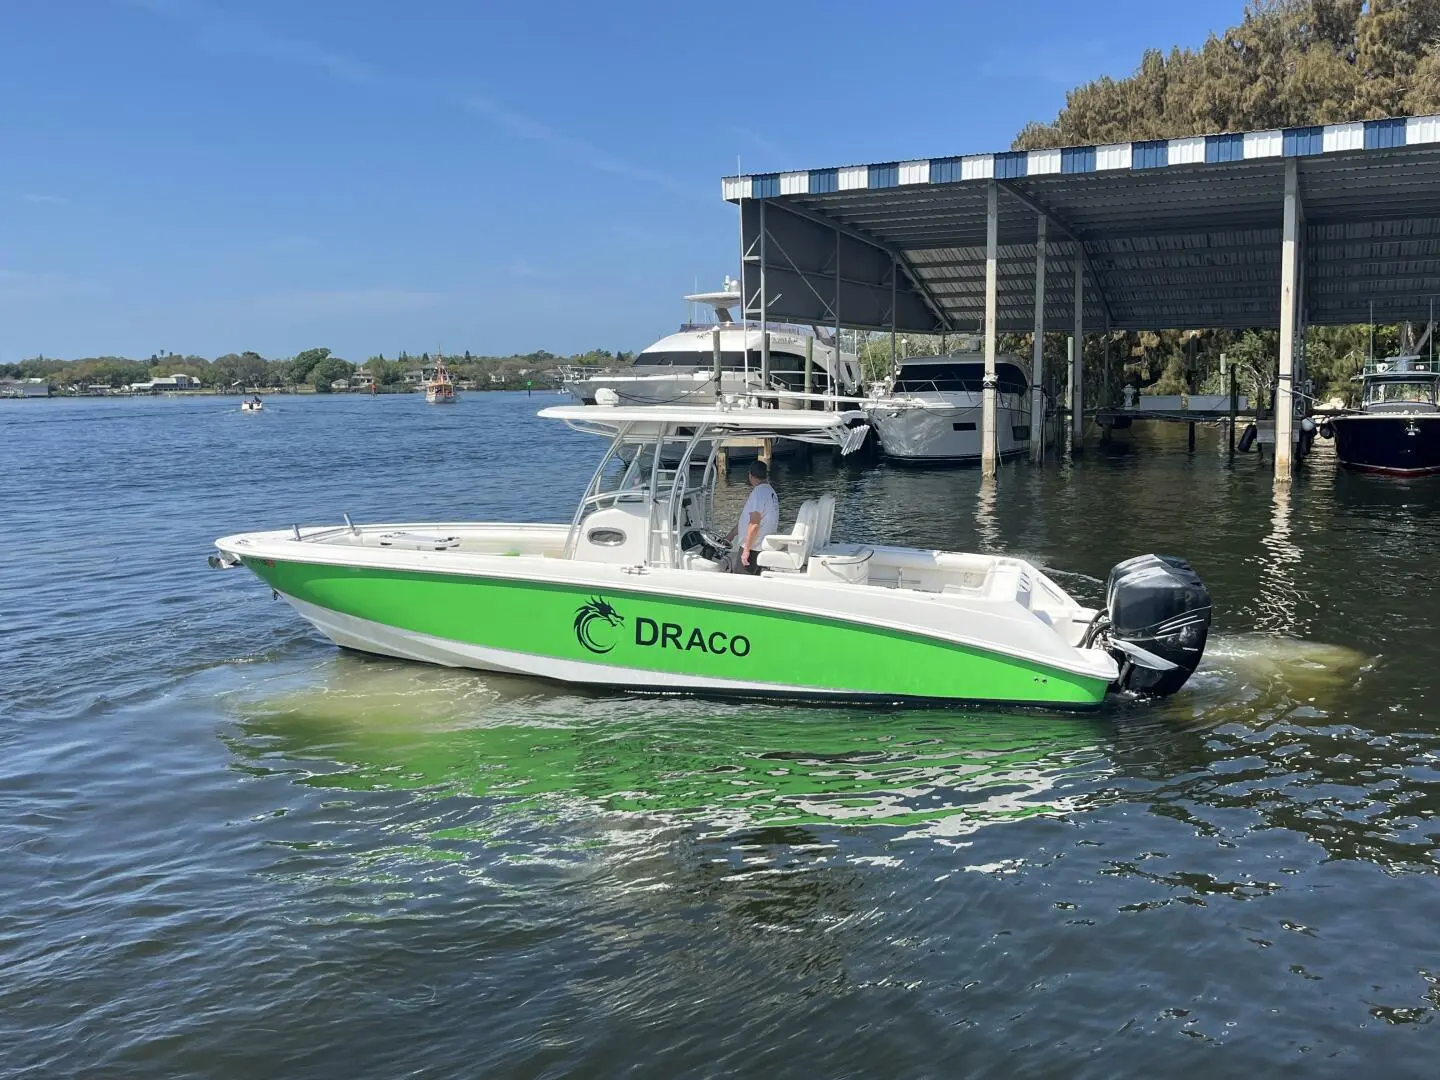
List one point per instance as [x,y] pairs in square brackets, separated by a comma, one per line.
[945,427]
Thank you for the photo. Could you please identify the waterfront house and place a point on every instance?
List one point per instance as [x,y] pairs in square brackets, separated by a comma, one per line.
[24,388]
[165,383]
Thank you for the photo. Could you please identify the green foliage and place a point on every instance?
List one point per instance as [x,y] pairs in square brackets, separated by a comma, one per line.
[327,370]
[304,363]
[385,372]
[313,367]
[1289,63]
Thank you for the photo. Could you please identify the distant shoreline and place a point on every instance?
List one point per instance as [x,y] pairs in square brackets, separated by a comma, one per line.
[270,392]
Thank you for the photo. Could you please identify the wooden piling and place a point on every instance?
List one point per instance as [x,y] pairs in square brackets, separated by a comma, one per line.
[810,366]
[1234,404]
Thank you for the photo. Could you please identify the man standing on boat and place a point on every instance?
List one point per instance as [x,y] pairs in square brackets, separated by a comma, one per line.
[759,518]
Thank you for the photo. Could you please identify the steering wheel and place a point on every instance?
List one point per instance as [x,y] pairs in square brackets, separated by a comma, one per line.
[719,543]
[712,546]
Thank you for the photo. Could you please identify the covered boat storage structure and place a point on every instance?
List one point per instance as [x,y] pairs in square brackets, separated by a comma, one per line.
[1262,229]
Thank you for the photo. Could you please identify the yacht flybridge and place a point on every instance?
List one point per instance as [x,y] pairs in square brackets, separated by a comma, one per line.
[633,592]
[679,369]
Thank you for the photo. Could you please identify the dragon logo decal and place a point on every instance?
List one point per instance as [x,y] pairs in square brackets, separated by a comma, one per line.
[593,611]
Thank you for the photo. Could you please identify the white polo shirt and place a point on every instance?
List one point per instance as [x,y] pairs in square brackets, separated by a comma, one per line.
[764,501]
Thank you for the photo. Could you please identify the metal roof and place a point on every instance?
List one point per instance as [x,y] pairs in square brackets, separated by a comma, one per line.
[1170,234]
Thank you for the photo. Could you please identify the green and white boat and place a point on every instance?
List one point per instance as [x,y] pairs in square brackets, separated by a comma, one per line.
[633,593]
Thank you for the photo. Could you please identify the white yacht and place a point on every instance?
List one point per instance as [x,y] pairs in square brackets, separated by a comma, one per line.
[931,410]
[680,369]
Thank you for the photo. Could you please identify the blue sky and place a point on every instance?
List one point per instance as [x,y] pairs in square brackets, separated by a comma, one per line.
[214,175]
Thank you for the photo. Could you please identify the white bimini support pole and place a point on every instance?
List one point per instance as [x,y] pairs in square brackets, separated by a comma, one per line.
[987,396]
[1289,311]
[1037,364]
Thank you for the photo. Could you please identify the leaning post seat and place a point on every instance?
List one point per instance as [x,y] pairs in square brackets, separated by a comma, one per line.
[788,551]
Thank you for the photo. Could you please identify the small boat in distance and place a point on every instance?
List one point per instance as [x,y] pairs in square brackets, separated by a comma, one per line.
[253,404]
[439,389]
[1396,430]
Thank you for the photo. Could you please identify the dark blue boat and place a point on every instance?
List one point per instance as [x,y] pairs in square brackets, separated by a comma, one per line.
[1396,430]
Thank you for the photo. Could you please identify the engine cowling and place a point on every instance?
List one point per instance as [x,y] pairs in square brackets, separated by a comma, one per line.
[1159,617]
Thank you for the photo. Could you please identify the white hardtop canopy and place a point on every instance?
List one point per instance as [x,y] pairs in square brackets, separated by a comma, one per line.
[806,425]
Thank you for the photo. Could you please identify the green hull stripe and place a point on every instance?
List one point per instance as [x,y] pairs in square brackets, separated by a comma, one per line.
[643,631]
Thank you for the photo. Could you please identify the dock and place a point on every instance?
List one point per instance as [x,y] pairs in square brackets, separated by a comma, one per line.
[1325,225]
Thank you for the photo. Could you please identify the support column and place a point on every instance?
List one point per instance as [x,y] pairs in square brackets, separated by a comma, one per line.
[832,386]
[1289,295]
[894,357]
[764,312]
[987,397]
[1037,364]
[1077,355]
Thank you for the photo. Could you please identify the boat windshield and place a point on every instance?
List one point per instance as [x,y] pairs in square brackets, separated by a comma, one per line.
[965,376]
[1386,391]
[730,360]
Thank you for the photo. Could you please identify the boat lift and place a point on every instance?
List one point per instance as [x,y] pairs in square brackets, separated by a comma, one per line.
[1281,229]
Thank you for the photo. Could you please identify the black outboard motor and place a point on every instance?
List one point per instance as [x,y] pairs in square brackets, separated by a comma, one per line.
[1159,616]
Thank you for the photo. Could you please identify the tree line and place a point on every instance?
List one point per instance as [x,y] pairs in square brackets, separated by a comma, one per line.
[1289,63]
[316,368]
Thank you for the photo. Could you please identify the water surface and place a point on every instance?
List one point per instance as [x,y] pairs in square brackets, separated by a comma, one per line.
[231,850]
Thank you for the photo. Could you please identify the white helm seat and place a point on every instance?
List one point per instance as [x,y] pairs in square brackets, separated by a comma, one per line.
[789,551]
[824,522]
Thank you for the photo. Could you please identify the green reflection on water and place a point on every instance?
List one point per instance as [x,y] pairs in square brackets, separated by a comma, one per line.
[364,726]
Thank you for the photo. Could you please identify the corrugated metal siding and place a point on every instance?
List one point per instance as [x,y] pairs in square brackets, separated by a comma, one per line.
[1382,134]
[1113,156]
[1198,247]
[1153,154]
[1077,159]
[944,170]
[1422,129]
[794,183]
[883,176]
[1262,144]
[1220,148]
[1187,151]
[736,187]
[1042,162]
[1011,166]
[824,181]
[977,167]
[1302,141]
[1344,137]
[765,186]
[914,172]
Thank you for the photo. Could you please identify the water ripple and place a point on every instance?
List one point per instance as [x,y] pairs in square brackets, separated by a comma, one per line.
[231,850]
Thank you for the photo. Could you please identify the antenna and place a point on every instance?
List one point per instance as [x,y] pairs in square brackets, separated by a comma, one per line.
[744,300]
[1372,331]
